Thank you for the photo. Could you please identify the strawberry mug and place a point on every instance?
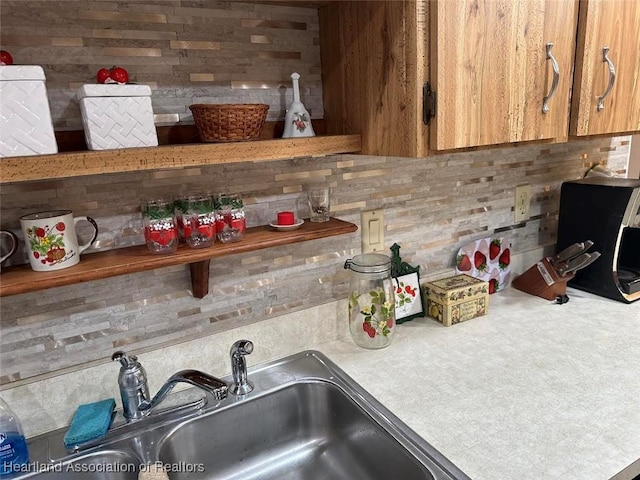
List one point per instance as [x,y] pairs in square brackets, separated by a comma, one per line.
[51,240]
[13,240]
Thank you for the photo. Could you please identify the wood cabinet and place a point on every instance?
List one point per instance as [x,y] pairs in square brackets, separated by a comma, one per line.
[491,74]
[612,24]
[488,63]
[374,63]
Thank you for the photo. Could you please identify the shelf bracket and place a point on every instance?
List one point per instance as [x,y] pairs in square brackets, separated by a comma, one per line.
[200,278]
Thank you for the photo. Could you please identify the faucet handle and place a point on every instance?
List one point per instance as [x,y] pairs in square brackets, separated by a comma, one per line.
[127,361]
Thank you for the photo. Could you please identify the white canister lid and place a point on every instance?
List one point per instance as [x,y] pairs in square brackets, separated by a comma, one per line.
[113,90]
[21,72]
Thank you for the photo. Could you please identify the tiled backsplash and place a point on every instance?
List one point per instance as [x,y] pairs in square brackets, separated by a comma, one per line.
[187,51]
[192,51]
[432,206]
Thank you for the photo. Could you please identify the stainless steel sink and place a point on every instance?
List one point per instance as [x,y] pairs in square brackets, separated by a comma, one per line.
[305,419]
[308,430]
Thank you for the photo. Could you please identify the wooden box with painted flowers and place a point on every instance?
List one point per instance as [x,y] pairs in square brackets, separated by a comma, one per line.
[456,299]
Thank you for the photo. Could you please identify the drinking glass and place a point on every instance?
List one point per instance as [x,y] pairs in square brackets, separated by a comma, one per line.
[199,221]
[319,204]
[230,218]
[160,228]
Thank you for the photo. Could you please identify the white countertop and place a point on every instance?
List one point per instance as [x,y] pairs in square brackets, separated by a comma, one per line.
[533,390]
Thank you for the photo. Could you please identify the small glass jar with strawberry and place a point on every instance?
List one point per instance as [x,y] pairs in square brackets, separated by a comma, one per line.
[180,205]
[230,218]
[160,228]
[199,221]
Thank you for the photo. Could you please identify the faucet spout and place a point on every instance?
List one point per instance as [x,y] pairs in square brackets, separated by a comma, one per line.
[241,385]
[216,387]
[136,400]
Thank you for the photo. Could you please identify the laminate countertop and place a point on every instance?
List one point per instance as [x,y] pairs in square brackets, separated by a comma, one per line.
[532,390]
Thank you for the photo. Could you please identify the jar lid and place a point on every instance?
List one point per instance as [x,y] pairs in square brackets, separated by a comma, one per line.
[369,263]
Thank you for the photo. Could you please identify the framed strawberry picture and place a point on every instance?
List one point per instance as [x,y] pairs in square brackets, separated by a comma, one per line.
[406,284]
[487,259]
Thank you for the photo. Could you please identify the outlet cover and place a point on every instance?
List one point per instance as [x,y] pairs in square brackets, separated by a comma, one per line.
[522,203]
[372,231]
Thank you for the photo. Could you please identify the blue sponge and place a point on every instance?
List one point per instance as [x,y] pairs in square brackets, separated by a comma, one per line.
[91,421]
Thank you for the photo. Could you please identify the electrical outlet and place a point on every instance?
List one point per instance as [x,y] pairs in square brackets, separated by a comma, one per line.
[372,231]
[522,203]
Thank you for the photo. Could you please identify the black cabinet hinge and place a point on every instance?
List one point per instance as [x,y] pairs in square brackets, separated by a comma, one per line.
[428,103]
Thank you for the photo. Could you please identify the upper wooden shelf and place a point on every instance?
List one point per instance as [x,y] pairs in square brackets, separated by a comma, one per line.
[74,164]
[21,279]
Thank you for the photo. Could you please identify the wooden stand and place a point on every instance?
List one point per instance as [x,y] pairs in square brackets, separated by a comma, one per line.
[542,280]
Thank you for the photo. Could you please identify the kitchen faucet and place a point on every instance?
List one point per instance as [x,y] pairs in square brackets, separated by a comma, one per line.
[239,350]
[136,400]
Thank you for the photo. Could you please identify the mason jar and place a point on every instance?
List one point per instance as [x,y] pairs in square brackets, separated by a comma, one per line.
[372,317]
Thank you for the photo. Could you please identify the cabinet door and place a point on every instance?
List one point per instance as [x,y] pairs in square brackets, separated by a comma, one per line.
[614,24]
[490,70]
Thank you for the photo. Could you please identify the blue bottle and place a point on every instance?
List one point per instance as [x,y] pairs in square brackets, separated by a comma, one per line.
[14,455]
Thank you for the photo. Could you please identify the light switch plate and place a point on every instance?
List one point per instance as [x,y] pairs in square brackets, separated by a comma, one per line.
[372,231]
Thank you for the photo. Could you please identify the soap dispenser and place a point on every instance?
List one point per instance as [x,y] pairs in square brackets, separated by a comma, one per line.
[13,446]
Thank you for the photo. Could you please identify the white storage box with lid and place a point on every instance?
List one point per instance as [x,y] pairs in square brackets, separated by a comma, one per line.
[117,116]
[26,127]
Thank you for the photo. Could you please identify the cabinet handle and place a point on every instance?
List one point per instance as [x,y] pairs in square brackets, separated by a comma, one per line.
[612,78]
[556,76]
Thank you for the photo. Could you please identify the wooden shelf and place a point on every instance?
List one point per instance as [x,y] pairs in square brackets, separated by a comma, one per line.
[74,164]
[21,279]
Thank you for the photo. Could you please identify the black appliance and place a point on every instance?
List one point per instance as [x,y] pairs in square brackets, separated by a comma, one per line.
[607,211]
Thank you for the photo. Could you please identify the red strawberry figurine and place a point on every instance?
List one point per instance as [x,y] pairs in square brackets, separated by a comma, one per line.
[103,75]
[494,248]
[505,259]
[5,58]
[480,261]
[493,285]
[463,263]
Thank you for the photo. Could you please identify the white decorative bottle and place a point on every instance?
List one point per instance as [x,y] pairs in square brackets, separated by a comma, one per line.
[297,121]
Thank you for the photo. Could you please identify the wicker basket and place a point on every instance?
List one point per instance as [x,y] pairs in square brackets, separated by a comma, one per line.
[229,122]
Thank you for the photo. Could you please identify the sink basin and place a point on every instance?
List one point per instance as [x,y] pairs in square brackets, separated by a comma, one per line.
[103,465]
[310,430]
[305,419]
